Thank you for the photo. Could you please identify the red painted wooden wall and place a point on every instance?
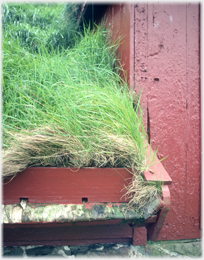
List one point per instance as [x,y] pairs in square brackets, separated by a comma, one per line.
[161,53]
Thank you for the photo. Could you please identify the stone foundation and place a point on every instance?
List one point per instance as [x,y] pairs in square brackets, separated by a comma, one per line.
[179,248]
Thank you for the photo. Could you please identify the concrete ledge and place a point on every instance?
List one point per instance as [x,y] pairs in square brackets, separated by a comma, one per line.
[49,213]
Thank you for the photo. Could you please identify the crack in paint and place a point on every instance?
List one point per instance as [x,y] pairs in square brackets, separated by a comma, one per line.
[148,126]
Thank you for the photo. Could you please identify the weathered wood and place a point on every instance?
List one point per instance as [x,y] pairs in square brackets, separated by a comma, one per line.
[193,216]
[139,236]
[174,110]
[67,185]
[67,235]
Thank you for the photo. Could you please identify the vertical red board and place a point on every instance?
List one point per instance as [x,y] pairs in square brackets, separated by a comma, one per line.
[167,67]
[165,44]
[167,104]
[193,184]
[141,55]
[121,22]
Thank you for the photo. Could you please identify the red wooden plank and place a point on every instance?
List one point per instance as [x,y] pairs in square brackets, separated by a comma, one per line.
[140,236]
[193,176]
[121,22]
[141,55]
[167,104]
[67,185]
[52,234]
[71,185]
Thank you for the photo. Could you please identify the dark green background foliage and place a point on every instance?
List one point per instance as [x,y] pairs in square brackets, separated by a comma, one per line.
[53,25]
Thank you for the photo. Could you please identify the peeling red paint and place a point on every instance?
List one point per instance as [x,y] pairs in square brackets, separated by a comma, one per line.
[89,205]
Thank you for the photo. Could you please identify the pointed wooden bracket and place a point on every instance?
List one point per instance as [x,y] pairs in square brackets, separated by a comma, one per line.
[154,229]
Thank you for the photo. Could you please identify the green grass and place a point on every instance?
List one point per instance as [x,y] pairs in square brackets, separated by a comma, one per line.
[53,25]
[64,103]
[76,89]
